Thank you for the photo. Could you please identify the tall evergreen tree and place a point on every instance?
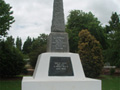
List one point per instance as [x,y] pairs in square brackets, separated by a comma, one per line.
[27,45]
[18,43]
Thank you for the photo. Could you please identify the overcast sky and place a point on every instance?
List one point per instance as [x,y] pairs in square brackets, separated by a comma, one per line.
[33,17]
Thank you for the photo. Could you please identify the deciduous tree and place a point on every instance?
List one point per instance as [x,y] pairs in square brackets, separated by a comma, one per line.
[113,37]
[78,20]
[6,18]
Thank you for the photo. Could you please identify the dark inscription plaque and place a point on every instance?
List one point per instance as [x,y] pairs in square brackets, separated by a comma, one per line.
[60,66]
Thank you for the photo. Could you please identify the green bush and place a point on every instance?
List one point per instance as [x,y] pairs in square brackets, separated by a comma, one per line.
[112,71]
[38,46]
[34,55]
[11,60]
[90,54]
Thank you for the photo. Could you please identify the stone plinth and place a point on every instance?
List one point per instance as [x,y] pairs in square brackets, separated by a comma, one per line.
[87,84]
[58,42]
[41,79]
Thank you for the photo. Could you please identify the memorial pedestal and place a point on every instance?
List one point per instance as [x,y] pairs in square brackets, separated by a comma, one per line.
[59,71]
[58,42]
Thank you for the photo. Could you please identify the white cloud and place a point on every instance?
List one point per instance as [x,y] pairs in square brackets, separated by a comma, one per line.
[34,16]
[103,9]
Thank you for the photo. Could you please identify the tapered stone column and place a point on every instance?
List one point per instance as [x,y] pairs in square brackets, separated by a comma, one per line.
[58,38]
[58,24]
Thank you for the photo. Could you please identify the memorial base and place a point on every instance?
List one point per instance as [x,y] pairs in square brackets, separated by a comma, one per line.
[59,71]
[85,84]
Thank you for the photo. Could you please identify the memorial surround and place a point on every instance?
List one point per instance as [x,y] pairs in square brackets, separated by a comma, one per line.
[58,69]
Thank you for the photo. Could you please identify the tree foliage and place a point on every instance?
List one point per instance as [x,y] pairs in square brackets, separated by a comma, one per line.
[40,41]
[38,46]
[27,46]
[10,40]
[11,60]
[19,43]
[90,54]
[79,20]
[6,18]
[113,37]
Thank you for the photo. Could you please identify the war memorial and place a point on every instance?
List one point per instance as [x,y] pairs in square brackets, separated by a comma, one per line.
[58,69]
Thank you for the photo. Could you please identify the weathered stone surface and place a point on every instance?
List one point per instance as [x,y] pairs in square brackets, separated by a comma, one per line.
[58,38]
[58,24]
[58,42]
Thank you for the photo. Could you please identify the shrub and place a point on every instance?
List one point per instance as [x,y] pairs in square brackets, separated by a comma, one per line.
[112,71]
[34,55]
[11,60]
[38,46]
[90,54]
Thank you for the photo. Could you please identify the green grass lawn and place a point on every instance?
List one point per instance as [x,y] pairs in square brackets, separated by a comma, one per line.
[108,83]
[111,83]
[10,85]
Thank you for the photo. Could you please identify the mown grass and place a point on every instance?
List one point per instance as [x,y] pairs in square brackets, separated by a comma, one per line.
[108,83]
[10,85]
[111,83]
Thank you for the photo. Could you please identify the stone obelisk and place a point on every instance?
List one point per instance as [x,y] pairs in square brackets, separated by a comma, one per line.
[58,69]
[58,38]
[58,24]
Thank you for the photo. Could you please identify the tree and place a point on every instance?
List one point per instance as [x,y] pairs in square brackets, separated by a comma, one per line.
[10,40]
[11,60]
[79,20]
[6,18]
[113,37]
[40,41]
[19,43]
[38,47]
[90,54]
[27,46]
[35,53]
